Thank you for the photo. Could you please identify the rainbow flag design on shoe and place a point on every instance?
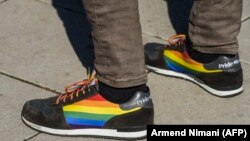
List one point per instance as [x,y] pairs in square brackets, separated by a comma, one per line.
[92,112]
[182,62]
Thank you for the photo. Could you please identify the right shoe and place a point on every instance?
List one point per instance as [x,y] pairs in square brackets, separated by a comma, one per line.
[222,77]
[82,111]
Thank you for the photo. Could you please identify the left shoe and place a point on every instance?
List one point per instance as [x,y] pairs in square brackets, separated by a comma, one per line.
[83,111]
[222,77]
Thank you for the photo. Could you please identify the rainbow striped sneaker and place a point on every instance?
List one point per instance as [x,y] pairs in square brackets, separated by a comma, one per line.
[82,111]
[222,77]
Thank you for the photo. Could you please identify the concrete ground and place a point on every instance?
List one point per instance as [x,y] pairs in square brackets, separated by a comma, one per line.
[44,45]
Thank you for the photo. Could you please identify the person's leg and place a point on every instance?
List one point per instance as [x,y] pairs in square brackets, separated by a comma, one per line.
[110,106]
[119,57]
[116,31]
[214,26]
[213,63]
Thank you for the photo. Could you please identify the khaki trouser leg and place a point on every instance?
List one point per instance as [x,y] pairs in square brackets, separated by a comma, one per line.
[116,31]
[214,26]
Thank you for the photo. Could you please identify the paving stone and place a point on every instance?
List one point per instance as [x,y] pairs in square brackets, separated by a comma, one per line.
[246,9]
[244,42]
[45,45]
[1,1]
[13,94]
[164,17]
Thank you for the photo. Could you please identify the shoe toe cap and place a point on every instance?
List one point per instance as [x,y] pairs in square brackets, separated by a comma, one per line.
[41,112]
[32,111]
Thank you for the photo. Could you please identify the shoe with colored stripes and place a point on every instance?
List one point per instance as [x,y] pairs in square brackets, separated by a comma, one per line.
[221,77]
[82,111]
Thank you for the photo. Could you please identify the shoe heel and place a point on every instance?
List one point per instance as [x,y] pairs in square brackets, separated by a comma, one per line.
[131,122]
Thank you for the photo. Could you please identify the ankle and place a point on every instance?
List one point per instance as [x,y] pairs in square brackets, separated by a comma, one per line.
[120,95]
[204,57]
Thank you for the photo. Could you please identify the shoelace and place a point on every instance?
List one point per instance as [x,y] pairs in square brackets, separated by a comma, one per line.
[176,39]
[72,90]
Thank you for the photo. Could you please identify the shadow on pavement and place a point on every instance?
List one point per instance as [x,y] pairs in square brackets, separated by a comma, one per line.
[77,28]
[179,11]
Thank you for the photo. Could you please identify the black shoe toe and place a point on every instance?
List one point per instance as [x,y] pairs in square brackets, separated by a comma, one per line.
[41,112]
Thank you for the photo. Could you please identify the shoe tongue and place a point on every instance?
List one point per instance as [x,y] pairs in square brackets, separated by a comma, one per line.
[93,82]
[95,85]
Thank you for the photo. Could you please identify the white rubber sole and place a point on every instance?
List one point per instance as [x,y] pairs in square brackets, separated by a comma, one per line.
[184,76]
[109,133]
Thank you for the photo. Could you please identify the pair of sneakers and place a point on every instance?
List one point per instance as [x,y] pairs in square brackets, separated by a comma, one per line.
[82,111]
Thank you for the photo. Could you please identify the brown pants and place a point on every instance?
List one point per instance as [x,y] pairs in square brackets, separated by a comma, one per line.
[116,30]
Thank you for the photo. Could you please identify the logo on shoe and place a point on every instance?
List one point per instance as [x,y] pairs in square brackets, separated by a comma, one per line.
[229,64]
[142,101]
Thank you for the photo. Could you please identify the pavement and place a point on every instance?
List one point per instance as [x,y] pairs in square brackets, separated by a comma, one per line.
[45,44]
